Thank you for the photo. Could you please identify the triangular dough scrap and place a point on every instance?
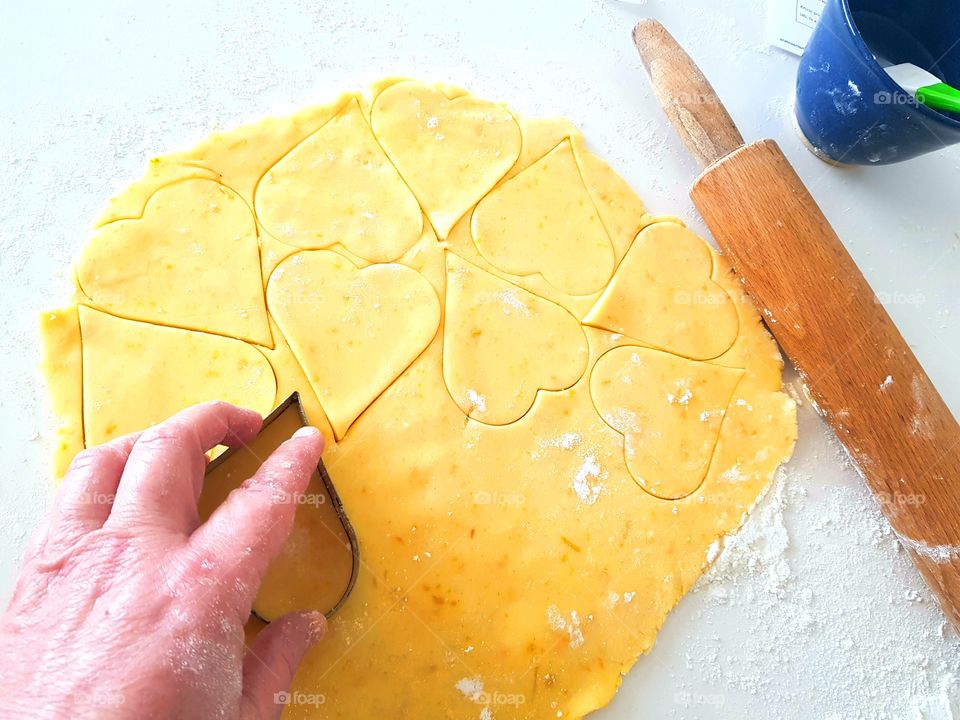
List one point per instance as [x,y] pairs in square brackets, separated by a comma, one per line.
[621,209]
[63,368]
[292,378]
[450,151]
[191,261]
[543,221]
[502,344]
[353,330]
[136,374]
[427,258]
[338,186]
[669,410]
[540,136]
[663,294]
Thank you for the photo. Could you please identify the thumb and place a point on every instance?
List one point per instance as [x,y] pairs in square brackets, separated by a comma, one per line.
[272,661]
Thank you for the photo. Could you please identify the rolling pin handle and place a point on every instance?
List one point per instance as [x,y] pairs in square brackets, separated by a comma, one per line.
[686,95]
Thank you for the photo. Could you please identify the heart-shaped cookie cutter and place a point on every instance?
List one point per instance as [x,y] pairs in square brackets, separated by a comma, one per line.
[238,463]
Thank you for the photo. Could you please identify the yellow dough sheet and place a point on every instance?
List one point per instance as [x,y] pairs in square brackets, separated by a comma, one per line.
[545,407]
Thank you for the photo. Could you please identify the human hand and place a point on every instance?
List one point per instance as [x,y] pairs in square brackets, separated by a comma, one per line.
[127,607]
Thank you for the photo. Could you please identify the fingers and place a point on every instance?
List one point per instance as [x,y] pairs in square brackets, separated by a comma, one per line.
[248,530]
[164,472]
[86,495]
[272,661]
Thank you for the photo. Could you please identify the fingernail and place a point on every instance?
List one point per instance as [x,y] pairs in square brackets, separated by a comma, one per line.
[306,431]
[317,626]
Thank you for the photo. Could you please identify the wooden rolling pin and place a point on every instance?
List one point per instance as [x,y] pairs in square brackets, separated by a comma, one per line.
[859,370]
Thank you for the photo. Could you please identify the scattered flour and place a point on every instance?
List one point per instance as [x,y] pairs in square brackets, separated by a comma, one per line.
[937,553]
[512,301]
[478,401]
[797,625]
[557,621]
[472,688]
[566,441]
[732,474]
[587,483]
[681,399]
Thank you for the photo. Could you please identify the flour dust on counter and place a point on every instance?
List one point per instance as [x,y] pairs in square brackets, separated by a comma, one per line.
[825,631]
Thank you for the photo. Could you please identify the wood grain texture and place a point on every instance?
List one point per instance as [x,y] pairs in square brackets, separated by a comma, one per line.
[686,95]
[861,373]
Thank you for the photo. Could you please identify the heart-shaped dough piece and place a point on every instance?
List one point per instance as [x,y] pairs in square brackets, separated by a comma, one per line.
[190,261]
[354,331]
[663,294]
[450,151]
[501,344]
[338,186]
[542,220]
[136,374]
[669,411]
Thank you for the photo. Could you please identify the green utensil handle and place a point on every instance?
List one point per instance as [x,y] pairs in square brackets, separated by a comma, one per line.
[940,97]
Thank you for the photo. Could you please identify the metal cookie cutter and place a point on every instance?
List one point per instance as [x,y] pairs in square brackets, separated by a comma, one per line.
[318,566]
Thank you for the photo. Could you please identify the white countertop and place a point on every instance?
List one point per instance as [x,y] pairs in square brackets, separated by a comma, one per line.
[813,612]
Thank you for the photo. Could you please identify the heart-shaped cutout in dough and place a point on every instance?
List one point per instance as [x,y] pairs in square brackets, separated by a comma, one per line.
[450,151]
[354,331]
[542,220]
[191,261]
[338,186]
[501,344]
[669,411]
[663,294]
[136,374]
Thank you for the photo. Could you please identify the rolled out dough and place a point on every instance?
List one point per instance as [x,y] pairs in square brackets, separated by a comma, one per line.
[545,407]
